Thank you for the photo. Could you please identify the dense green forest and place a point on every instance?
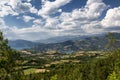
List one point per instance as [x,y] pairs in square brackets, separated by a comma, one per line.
[107,68]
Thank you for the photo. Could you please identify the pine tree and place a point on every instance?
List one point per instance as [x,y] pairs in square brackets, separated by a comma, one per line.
[8,59]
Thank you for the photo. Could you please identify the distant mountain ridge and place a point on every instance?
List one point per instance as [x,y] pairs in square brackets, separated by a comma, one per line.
[60,39]
[87,44]
[25,44]
[21,44]
[98,42]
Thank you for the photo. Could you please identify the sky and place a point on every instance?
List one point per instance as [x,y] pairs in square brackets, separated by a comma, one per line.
[41,19]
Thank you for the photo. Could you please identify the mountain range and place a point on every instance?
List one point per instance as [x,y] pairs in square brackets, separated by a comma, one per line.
[60,39]
[68,44]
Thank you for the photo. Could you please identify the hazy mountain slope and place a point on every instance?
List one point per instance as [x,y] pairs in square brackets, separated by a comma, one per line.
[21,44]
[60,39]
[89,43]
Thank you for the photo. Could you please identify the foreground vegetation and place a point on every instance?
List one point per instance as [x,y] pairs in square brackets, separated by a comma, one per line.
[14,67]
[95,69]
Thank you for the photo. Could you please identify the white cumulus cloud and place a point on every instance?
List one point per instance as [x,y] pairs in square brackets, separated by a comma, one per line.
[15,7]
[28,18]
[20,7]
[112,18]
[49,7]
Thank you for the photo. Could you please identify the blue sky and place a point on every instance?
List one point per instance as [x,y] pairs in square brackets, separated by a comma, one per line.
[42,19]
